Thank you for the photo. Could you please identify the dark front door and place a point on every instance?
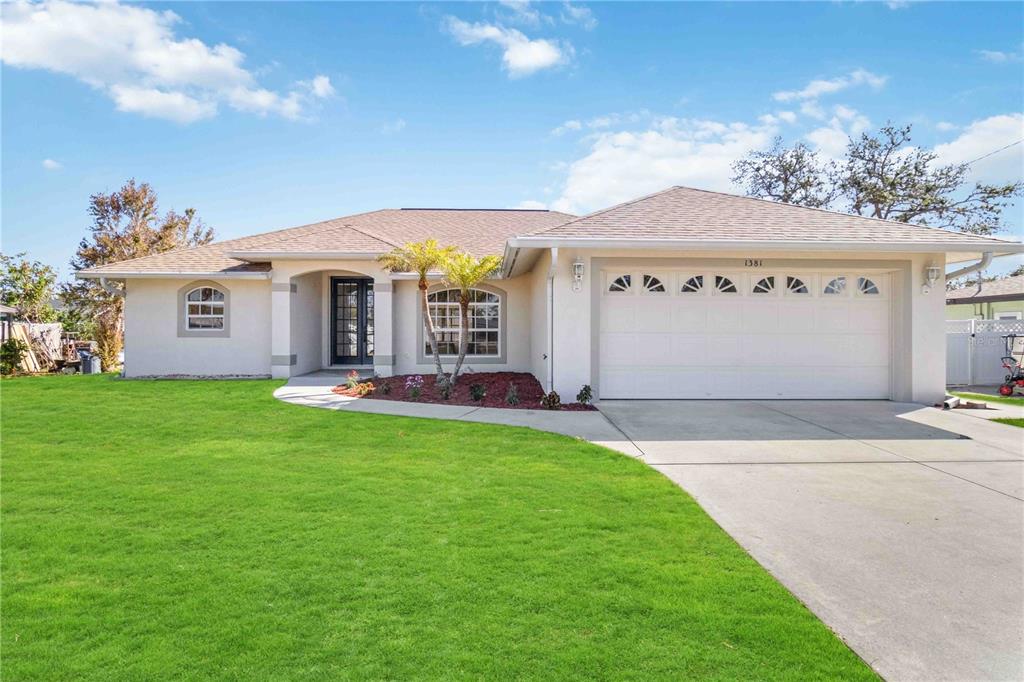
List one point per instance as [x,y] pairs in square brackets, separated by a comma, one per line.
[352,321]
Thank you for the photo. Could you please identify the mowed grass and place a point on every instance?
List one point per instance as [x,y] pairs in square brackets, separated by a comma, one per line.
[1006,400]
[203,530]
[1012,421]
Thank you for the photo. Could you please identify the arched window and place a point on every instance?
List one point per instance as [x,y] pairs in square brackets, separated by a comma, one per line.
[205,309]
[653,285]
[485,324]
[621,284]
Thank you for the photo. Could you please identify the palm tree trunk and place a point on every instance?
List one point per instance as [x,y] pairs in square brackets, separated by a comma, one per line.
[463,334]
[428,323]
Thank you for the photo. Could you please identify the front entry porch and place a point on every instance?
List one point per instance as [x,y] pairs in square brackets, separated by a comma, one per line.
[331,320]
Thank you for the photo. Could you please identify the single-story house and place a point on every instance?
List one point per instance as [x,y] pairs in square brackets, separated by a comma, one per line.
[681,294]
[999,299]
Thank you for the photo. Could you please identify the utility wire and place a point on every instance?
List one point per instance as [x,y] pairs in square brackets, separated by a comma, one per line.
[994,152]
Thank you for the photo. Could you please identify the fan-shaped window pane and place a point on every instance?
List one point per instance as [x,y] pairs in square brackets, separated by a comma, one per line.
[795,285]
[866,286]
[835,286]
[621,283]
[765,285]
[653,285]
[724,285]
[693,285]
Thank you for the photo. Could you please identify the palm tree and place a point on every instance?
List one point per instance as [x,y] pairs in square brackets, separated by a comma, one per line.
[421,258]
[465,272]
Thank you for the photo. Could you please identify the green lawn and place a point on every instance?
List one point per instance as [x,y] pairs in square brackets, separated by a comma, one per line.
[203,530]
[990,398]
[1011,421]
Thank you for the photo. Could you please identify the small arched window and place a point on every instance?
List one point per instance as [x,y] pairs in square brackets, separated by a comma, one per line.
[205,309]
[866,287]
[692,285]
[621,284]
[653,285]
[484,323]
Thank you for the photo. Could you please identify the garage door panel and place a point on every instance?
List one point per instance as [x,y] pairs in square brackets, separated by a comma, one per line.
[780,345]
[689,314]
[618,314]
[654,314]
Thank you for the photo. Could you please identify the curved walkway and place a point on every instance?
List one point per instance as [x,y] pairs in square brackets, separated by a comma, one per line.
[315,391]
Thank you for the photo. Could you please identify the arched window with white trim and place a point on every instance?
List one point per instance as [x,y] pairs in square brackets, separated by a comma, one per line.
[204,310]
[485,323]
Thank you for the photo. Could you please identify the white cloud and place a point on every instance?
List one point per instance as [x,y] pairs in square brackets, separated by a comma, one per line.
[396,126]
[627,164]
[985,136]
[531,205]
[51,165]
[579,15]
[522,12]
[831,140]
[787,116]
[820,87]
[945,126]
[897,4]
[812,109]
[521,56]
[997,57]
[566,127]
[133,54]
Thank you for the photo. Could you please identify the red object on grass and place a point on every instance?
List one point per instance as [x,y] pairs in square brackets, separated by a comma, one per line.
[494,383]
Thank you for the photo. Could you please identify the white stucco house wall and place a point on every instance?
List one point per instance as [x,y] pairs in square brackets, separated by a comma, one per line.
[681,294]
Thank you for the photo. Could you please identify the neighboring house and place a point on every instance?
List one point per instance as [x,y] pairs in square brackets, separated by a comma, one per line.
[681,294]
[1000,299]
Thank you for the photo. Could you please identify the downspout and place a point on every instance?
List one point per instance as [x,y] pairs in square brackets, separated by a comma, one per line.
[552,268]
[986,259]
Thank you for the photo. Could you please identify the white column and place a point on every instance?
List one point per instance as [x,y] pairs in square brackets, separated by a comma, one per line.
[383,328]
[282,356]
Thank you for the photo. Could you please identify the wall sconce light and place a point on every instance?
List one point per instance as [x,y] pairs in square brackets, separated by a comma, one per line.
[931,276]
[577,275]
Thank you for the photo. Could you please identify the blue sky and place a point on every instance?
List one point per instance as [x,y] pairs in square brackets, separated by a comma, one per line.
[268,115]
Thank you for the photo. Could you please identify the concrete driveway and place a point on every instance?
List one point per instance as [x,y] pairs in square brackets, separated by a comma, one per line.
[901,527]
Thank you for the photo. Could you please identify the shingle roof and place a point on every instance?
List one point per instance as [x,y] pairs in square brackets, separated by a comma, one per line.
[478,231]
[1007,286]
[683,213]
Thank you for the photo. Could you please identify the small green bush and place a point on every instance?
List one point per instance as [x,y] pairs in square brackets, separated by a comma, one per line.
[512,394]
[11,353]
[586,395]
[477,392]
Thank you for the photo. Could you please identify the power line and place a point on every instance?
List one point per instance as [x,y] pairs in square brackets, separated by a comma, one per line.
[995,152]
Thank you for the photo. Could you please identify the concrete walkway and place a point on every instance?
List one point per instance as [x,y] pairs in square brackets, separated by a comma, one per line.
[901,527]
[315,391]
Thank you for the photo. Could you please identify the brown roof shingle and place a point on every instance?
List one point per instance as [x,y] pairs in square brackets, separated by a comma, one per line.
[480,232]
[683,213]
[1007,286]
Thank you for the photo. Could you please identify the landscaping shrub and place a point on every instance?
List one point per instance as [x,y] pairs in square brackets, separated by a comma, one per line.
[11,353]
[414,386]
[512,394]
[551,401]
[477,392]
[585,396]
[352,380]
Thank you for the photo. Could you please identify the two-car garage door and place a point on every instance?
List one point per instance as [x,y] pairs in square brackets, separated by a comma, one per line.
[733,334]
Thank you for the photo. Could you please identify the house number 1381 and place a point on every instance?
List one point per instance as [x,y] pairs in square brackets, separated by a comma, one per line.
[753,263]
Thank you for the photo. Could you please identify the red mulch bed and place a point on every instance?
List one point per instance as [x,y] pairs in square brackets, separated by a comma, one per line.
[495,383]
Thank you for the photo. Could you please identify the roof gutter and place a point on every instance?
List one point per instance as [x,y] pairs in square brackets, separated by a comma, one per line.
[103,276]
[765,245]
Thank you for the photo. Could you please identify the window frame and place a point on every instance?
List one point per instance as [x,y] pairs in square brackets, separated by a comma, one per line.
[184,330]
[424,356]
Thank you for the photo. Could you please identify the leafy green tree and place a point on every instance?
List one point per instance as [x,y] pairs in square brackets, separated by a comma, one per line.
[464,272]
[28,286]
[422,258]
[125,224]
[881,176]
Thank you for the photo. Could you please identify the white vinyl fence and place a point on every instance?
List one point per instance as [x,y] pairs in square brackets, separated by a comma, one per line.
[974,350]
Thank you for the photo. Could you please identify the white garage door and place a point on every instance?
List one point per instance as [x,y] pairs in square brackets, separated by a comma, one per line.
[728,334]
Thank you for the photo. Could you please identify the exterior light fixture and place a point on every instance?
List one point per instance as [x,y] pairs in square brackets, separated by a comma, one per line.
[931,276]
[577,275]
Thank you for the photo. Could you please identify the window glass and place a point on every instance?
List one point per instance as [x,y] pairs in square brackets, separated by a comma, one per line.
[484,322]
[204,309]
